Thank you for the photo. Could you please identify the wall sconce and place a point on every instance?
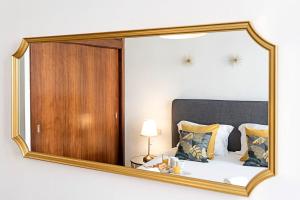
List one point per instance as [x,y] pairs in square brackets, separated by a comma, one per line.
[187,60]
[234,60]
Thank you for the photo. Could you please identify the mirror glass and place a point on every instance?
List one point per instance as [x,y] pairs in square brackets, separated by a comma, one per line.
[192,105]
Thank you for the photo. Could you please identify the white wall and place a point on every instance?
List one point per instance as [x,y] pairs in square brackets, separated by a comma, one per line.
[156,75]
[29,179]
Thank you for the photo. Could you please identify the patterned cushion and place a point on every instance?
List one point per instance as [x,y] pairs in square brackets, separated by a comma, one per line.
[258,153]
[193,146]
[196,128]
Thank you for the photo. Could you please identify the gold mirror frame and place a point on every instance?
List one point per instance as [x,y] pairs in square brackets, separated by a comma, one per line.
[193,182]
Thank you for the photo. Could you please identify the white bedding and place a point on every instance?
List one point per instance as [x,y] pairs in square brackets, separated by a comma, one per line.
[226,169]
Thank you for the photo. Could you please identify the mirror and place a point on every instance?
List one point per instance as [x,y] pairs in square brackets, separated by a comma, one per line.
[191,105]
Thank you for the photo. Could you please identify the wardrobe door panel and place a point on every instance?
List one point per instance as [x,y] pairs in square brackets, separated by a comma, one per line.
[75,101]
[98,97]
[48,98]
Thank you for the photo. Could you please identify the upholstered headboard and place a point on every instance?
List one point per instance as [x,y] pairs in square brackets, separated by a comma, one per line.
[219,111]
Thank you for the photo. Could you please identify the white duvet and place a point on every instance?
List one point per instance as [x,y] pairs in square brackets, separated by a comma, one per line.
[226,169]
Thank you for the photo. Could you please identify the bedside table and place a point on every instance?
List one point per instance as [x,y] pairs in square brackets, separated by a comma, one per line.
[137,161]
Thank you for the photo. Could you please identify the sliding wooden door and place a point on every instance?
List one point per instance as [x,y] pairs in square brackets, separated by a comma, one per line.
[75,100]
[47,98]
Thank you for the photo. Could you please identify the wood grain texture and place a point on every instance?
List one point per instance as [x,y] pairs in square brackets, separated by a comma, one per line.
[47,102]
[82,85]
[106,43]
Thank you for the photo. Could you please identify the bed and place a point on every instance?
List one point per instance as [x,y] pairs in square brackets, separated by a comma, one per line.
[228,169]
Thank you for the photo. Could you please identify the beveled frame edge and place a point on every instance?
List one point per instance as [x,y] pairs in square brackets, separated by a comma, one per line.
[16,136]
[186,181]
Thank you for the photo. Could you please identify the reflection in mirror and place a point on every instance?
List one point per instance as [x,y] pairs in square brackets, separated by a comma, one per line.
[24,98]
[185,81]
[195,105]
[72,105]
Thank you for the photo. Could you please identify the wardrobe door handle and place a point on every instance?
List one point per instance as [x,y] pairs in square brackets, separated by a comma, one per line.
[38,128]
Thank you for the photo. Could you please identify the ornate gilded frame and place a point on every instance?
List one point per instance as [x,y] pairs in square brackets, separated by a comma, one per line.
[197,183]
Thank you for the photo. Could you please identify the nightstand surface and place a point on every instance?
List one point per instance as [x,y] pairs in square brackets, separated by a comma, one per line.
[137,161]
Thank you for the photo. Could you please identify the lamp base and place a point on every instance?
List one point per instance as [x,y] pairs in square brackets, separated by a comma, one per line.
[147,158]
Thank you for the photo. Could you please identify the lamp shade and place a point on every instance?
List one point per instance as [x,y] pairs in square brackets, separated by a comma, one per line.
[149,128]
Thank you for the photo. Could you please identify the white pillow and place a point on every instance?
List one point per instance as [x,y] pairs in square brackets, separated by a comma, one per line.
[242,129]
[221,142]
[172,152]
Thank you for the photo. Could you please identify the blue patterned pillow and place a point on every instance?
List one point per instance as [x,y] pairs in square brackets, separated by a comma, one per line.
[193,146]
[257,151]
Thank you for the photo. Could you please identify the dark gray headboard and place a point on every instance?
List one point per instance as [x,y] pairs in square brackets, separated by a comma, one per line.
[219,111]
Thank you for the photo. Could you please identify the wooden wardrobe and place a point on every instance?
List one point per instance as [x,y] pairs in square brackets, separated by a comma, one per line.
[77,99]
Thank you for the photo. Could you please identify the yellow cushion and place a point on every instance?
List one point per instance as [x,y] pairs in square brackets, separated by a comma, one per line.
[258,133]
[195,128]
[254,132]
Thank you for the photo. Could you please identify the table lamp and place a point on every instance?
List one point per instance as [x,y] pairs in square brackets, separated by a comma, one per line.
[149,130]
